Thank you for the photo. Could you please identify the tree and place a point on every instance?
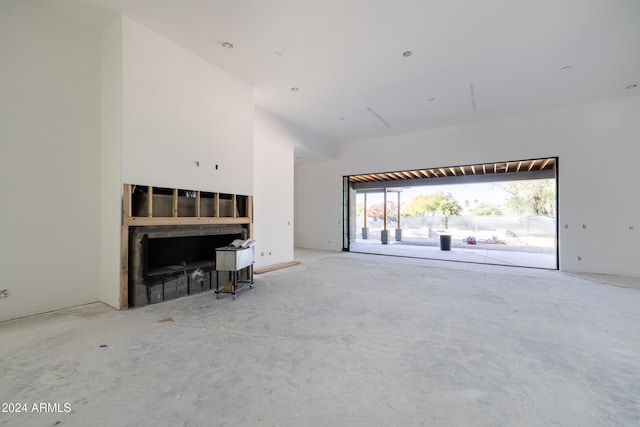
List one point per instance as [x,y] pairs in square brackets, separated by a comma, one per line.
[485,209]
[449,207]
[424,206]
[533,197]
[377,210]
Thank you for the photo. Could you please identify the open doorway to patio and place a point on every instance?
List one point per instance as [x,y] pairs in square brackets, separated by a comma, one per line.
[502,213]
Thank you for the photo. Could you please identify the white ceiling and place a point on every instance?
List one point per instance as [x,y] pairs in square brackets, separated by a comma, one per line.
[345,56]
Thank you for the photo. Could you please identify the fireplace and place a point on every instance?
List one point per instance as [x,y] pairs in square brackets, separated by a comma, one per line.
[166,262]
[169,238]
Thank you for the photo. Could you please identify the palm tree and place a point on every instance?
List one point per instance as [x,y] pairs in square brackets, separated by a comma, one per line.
[449,207]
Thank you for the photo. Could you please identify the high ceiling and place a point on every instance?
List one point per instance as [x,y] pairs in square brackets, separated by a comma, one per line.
[471,60]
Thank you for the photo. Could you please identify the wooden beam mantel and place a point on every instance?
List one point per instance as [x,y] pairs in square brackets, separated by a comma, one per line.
[138,221]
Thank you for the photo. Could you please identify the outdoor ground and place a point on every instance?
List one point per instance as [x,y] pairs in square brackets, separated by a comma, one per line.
[489,240]
[509,245]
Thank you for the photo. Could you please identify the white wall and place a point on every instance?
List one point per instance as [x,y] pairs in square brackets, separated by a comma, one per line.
[81,112]
[49,160]
[111,163]
[179,109]
[598,148]
[318,206]
[273,186]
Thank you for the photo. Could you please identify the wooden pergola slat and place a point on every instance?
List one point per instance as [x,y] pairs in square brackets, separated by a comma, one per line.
[451,171]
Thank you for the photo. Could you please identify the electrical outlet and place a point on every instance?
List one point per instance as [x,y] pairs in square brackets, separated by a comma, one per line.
[4,293]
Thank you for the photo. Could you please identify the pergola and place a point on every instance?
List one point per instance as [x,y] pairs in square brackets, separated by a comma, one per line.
[385,182]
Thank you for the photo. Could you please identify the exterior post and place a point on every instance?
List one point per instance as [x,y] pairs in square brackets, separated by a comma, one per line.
[399,229]
[365,229]
[384,234]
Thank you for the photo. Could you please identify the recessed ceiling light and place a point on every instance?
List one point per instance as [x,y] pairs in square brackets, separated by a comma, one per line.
[566,68]
[294,89]
[407,54]
[430,99]
[227,45]
[631,87]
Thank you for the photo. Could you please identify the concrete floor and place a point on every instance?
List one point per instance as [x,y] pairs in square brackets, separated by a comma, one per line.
[342,340]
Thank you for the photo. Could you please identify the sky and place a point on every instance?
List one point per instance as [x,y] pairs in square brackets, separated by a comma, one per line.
[483,192]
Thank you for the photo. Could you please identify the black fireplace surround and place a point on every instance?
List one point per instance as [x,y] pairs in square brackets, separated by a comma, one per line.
[166,262]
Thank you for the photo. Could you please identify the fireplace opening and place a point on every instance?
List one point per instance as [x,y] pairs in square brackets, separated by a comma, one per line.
[174,255]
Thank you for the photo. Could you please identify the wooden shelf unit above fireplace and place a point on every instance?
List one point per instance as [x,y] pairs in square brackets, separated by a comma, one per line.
[144,206]
[147,205]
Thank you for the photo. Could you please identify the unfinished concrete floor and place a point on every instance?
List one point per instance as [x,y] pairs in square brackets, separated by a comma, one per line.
[342,340]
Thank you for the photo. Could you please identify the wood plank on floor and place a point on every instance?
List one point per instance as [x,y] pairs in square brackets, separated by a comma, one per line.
[276,267]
